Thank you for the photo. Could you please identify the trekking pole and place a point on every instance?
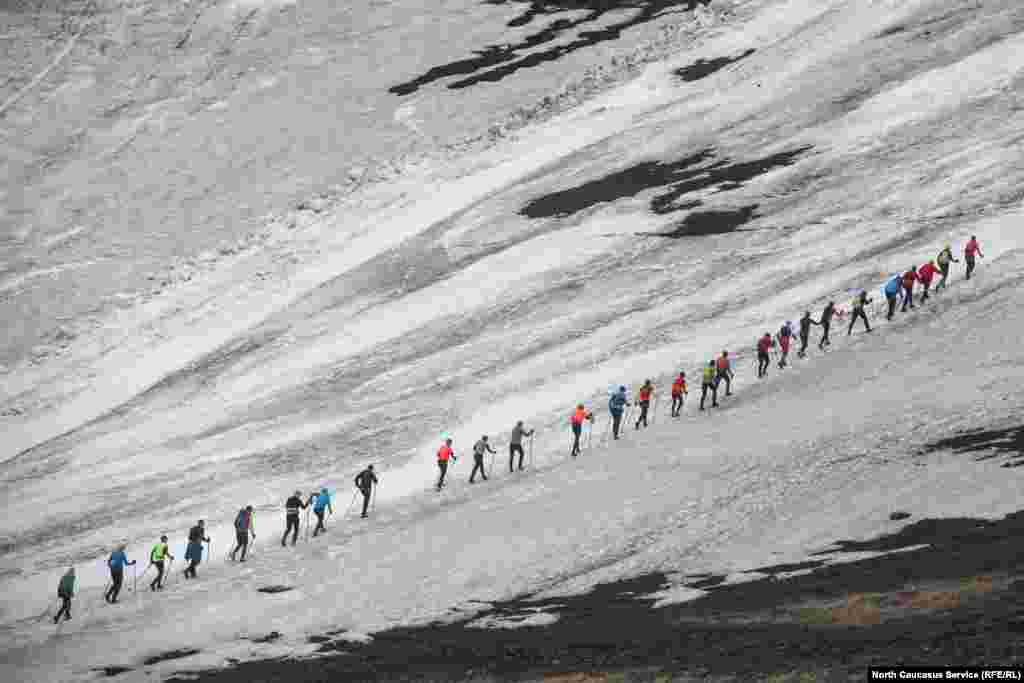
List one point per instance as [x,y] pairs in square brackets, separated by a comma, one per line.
[307,524]
[531,450]
[135,577]
[352,502]
[607,431]
[590,435]
[373,497]
[654,408]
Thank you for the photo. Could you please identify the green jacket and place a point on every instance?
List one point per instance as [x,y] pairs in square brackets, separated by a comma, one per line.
[66,586]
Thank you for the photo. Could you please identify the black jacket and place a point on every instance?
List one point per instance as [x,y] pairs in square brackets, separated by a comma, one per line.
[365,480]
[294,504]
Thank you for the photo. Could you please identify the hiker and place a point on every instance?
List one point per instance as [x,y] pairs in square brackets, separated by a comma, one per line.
[725,372]
[678,391]
[805,333]
[194,552]
[643,399]
[577,420]
[826,323]
[970,250]
[117,562]
[292,506]
[243,528]
[365,481]
[479,448]
[892,292]
[515,444]
[65,591]
[764,348]
[943,260]
[444,454]
[709,382]
[859,304]
[925,274]
[785,338]
[321,503]
[616,406]
[909,278]
[157,555]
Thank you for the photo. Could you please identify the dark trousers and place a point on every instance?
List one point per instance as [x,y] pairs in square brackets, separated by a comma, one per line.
[478,465]
[804,340]
[644,405]
[190,570]
[366,498]
[892,300]
[242,542]
[858,313]
[577,430]
[945,274]
[908,298]
[824,335]
[443,466]
[969,260]
[705,388]
[763,361]
[616,423]
[116,580]
[677,404]
[65,609]
[158,582]
[319,521]
[727,378]
[512,450]
[924,295]
[292,522]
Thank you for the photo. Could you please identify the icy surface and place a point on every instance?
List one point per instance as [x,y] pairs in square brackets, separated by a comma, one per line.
[293,332]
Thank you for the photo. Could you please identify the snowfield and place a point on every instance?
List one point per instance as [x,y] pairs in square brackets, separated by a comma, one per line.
[234,264]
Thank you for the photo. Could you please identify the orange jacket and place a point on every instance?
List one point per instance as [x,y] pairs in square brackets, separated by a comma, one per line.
[580,415]
[679,387]
[444,453]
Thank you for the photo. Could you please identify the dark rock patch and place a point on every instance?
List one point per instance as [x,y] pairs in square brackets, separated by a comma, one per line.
[896,516]
[1013,463]
[686,176]
[706,223]
[275,589]
[703,68]
[316,640]
[711,581]
[991,443]
[493,63]
[892,31]
[269,638]
[169,655]
[111,671]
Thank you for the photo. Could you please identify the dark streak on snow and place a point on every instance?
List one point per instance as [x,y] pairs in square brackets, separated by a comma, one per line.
[504,60]
[783,568]
[169,655]
[706,223]
[703,68]
[732,630]
[685,176]
[111,671]
[992,443]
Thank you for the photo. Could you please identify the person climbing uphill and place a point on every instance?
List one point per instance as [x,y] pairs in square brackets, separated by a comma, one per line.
[644,401]
[243,528]
[785,339]
[578,418]
[925,274]
[970,250]
[445,454]
[194,551]
[157,556]
[365,481]
[117,562]
[616,406]
[764,348]
[65,591]
[479,448]
[724,367]
[826,324]
[292,507]
[909,278]
[943,260]
[805,333]
[859,306]
[321,503]
[709,382]
[892,292]
[679,390]
[515,444]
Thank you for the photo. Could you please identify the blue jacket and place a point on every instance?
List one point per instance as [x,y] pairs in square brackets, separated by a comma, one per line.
[321,502]
[892,287]
[194,552]
[118,560]
[617,403]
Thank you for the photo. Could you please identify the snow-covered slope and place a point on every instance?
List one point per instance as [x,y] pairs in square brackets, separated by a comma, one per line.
[500,279]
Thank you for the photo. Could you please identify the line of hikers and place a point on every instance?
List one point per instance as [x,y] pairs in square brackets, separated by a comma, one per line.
[716,372]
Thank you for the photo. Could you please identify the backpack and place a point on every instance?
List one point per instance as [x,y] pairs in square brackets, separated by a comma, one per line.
[943,258]
[242,521]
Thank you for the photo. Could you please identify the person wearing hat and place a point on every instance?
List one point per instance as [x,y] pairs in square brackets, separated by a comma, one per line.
[444,455]
[291,516]
[365,481]
[321,503]
[515,443]
[194,551]
[117,562]
[643,400]
[579,416]
[243,528]
[157,555]
[616,406]
[65,591]
[943,260]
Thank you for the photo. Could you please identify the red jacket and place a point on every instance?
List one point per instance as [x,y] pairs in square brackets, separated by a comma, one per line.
[679,387]
[926,272]
[445,453]
[765,344]
[580,415]
[971,248]
[909,278]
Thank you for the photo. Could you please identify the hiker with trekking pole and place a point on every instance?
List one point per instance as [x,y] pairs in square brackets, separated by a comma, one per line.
[292,508]
[366,482]
[515,444]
